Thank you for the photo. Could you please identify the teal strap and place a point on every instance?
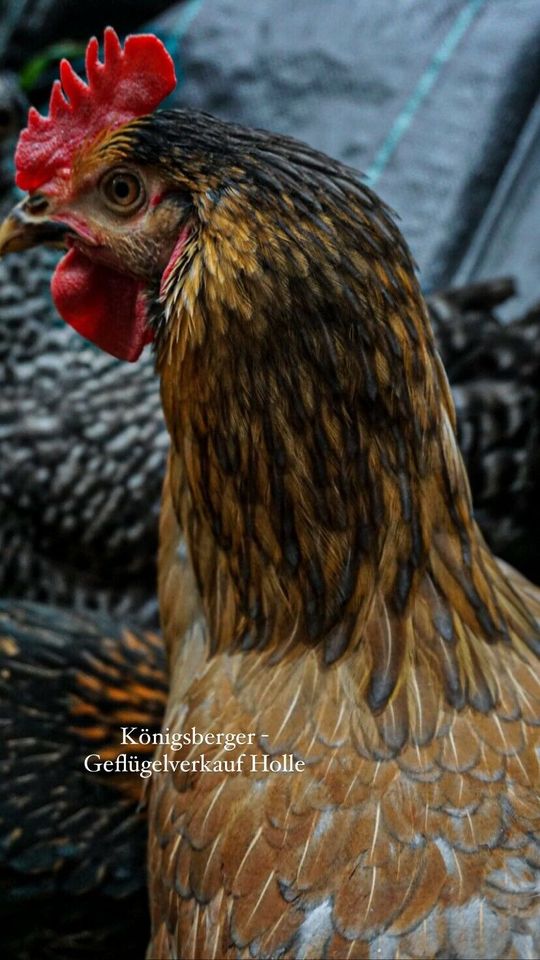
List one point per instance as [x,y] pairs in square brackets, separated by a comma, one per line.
[404,120]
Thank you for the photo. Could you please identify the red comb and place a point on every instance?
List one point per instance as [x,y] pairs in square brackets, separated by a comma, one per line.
[128,84]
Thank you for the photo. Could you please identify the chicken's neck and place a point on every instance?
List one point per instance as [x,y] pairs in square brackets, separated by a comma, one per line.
[323,495]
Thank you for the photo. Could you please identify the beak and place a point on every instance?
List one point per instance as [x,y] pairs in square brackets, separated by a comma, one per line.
[23,229]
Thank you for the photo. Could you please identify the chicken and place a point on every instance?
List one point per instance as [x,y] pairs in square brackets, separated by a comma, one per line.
[80,474]
[374,663]
[494,371]
[72,843]
[67,463]
[71,446]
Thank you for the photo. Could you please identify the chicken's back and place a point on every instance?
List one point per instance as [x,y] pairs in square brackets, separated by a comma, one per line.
[370,850]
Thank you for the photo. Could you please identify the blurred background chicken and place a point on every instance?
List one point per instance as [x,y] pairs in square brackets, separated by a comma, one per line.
[77,458]
[494,372]
[72,844]
[353,614]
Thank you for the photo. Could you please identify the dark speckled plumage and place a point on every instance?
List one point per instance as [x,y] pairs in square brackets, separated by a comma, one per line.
[72,844]
[83,452]
[494,370]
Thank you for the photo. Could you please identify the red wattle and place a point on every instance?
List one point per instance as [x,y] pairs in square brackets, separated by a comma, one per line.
[102,305]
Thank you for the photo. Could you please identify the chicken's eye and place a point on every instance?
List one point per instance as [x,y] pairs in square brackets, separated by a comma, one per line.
[122,191]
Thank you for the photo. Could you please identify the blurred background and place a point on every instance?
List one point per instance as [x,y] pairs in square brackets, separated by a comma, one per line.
[438,105]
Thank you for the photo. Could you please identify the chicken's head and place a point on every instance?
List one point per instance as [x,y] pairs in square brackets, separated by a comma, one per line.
[119,211]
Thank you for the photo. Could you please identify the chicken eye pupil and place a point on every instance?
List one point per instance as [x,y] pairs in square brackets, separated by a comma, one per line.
[122,189]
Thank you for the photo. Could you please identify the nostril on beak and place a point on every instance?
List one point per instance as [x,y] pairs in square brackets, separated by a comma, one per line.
[28,226]
[37,205]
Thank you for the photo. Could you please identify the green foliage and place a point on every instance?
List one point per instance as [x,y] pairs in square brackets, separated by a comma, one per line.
[34,69]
